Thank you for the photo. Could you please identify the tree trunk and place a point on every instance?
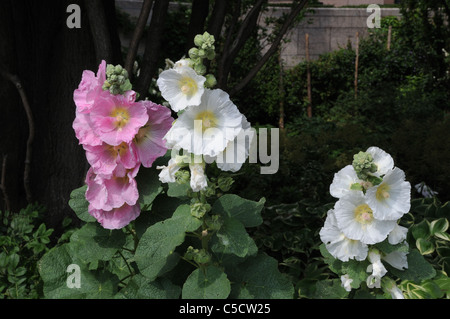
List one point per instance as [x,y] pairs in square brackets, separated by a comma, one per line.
[152,47]
[200,10]
[49,58]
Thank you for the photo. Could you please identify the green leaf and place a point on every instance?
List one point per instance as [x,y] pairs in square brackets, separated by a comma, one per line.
[259,278]
[80,205]
[418,268]
[232,238]
[444,236]
[141,287]
[178,190]
[421,230]
[206,283]
[158,243]
[246,211]
[149,187]
[53,268]
[439,226]
[92,243]
[425,246]
[330,289]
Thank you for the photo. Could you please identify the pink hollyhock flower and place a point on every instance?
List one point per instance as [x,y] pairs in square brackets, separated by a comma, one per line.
[113,192]
[105,158]
[89,88]
[117,119]
[84,130]
[149,139]
[115,218]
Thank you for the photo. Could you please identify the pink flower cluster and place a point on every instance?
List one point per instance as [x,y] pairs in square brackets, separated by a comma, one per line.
[118,134]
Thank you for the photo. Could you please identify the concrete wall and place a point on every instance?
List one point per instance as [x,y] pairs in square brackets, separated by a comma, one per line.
[329,29]
[340,3]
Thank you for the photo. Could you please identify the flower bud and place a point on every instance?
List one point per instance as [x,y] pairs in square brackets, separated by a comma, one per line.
[198,40]
[193,53]
[210,80]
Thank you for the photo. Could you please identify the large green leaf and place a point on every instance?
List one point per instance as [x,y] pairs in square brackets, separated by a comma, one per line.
[149,187]
[53,268]
[92,243]
[329,289]
[141,287]
[206,283]
[80,205]
[246,211]
[418,268]
[232,238]
[158,243]
[259,278]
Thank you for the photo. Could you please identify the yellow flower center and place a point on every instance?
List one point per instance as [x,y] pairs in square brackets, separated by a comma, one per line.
[188,86]
[121,116]
[118,150]
[382,192]
[208,119]
[142,133]
[363,214]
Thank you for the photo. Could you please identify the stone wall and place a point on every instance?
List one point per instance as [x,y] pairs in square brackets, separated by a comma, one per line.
[328,29]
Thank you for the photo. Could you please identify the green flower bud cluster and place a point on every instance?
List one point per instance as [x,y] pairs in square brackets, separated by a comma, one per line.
[117,81]
[199,209]
[204,49]
[199,256]
[364,165]
[182,176]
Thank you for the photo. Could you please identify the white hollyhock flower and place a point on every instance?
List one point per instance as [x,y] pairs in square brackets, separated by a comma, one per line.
[346,282]
[376,268]
[381,159]
[391,199]
[207,128]
[342,181]
[399,258]
[337,244]
[397,235]
[237,151]
[356,220]
[167,174]
[198,177]
[181,87]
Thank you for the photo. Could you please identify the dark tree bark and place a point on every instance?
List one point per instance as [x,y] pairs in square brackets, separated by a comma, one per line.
[200,10]
[48,58]
[152,47]
[217,18]
[233,44]
[137,35]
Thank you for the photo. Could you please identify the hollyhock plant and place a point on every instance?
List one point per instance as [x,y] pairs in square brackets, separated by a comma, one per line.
[105,158]
[112,192]
[356,220]
[89,88]
[340,246]
[390,200]
[148,141]
[181,87]
[116,120]
[84,130]
[116,218]
[207,128]
[372,198]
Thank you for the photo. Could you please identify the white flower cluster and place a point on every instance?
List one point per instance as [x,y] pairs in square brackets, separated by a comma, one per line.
[372,196]
[209,127]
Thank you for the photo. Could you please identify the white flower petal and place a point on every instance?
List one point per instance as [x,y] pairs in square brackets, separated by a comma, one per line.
[342,181]
[383,160]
